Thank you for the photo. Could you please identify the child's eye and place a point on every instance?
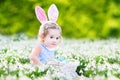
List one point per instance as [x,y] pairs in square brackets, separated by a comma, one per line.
[57,38]
[51,37]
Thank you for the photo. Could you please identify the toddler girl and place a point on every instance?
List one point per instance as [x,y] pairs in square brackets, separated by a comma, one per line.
[49,36]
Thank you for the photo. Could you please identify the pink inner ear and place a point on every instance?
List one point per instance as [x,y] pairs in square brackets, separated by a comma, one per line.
[53,13]
[41,16]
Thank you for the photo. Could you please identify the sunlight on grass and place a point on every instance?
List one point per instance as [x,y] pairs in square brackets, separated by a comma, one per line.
[98,59]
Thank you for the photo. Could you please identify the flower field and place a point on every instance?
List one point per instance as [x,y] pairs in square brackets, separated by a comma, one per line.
[98,59]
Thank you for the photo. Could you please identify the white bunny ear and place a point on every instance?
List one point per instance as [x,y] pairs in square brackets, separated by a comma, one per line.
[41,16]
[53,13]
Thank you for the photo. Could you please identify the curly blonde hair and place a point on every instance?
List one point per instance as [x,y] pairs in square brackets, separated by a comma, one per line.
[44,29]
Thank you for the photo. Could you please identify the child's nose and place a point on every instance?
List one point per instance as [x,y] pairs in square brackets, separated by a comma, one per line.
[55,40]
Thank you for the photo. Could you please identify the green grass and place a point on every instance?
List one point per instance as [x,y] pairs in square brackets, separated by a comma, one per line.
[98,59]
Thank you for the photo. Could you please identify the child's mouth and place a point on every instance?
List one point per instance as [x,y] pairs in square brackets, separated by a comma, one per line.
[53,44]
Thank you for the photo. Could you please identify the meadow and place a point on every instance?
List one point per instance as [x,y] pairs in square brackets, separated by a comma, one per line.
[91,23]
[98,59]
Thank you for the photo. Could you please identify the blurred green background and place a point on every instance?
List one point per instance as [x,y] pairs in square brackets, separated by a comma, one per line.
[78,18]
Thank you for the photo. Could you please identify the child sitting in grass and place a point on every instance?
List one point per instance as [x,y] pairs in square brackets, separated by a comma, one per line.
[49,38]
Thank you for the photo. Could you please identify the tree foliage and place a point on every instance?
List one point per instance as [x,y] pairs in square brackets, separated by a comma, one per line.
[78,18]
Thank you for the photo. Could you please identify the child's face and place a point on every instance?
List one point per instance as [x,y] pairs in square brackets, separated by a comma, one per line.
[52,39]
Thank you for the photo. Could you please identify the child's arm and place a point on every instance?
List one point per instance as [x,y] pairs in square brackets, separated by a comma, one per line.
[34,55]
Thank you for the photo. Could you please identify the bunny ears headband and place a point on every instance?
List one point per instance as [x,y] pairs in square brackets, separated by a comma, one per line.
[52,14]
